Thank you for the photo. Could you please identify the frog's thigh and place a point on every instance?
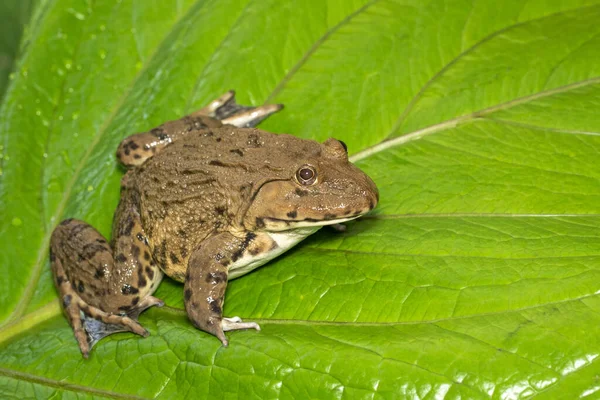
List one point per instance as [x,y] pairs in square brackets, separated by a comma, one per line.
[83,268]
[139,275]
[206,281]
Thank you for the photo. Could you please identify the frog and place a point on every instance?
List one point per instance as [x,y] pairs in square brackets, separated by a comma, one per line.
[204,199]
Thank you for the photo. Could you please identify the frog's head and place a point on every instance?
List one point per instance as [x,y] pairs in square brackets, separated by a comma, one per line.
[318,186]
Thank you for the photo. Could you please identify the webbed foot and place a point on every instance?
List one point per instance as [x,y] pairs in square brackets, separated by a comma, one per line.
[91,324]
[228,111]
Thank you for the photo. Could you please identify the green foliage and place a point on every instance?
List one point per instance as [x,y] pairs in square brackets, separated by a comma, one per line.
[13,16]
[476,277]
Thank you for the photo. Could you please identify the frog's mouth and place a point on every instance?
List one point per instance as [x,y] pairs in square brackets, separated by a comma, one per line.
[281,224]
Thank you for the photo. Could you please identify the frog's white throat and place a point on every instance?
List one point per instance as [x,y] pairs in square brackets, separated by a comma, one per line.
[277,237]
[274,243]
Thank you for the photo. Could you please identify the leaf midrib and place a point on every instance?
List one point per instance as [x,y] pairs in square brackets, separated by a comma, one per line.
[464,53]
[463,119]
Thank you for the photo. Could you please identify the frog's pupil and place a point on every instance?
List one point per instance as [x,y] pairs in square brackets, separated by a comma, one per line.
[306,174]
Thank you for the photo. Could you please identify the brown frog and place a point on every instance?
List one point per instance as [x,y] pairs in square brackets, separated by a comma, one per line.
[207,198]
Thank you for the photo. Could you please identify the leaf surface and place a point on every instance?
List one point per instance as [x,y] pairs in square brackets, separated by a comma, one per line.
[477,275]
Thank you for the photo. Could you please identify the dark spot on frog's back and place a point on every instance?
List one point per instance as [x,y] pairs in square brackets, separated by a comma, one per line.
[99,273]
[66,221]
[260,223]
[220,210]
[121,258]
[216,163]
[253,140]
[188,294]
[237,151]
[174,258]
[329,217]
[67,300]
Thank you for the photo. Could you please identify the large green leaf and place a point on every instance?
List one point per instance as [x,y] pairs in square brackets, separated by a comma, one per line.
[478,274]
[13,16]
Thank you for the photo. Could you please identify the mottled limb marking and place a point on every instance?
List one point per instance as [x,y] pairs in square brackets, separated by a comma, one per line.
[85,275]
[205,284]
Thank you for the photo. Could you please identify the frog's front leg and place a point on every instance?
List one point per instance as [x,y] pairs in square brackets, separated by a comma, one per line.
[206,281]
[136,149]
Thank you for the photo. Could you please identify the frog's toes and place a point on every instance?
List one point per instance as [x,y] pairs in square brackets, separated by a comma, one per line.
[248,117]
[91,324]
[226,109]
[233,324]
[236,323]
[213,106]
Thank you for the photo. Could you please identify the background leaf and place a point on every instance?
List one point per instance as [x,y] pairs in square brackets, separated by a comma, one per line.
[477,275]
[14,14]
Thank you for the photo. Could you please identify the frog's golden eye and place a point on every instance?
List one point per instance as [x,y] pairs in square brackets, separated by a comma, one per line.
[306,175]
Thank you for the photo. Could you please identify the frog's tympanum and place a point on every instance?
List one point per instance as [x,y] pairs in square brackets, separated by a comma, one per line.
[206,198]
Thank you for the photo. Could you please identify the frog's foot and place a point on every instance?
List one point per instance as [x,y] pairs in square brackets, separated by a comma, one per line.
[229,112]
[91,324]
[234,324]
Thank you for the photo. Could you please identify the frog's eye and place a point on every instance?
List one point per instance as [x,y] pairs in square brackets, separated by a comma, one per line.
[344,146]
[306,175]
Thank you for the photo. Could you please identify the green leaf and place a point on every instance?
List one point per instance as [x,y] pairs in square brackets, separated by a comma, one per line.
[14,15]
[476,277]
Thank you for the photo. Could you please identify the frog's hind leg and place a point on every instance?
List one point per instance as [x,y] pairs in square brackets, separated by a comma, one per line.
[84,274]
[226,109]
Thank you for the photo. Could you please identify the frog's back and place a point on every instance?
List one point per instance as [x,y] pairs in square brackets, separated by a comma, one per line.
[197,185]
